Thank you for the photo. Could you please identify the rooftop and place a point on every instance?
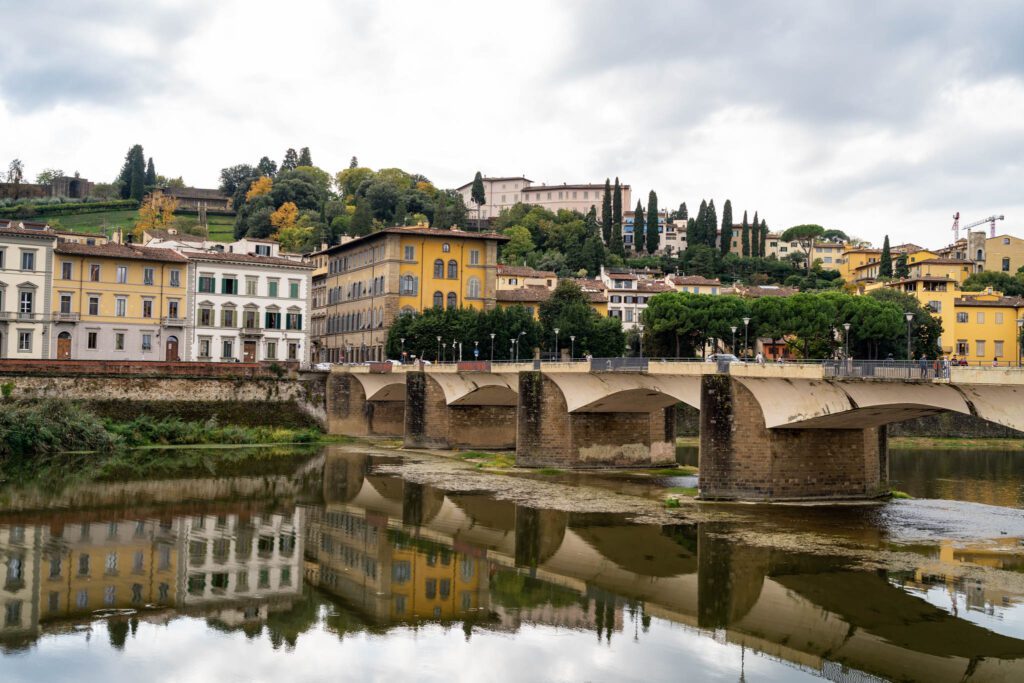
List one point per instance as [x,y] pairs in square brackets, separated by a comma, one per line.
[120,251]
[524,271]
[570,186]
[534,294]
[488,179]
[999,302]
[413,230]
[178,236]
[694,280]
[228,257]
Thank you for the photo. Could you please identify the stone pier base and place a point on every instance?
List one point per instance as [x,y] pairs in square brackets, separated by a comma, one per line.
[348,411]
[431,423]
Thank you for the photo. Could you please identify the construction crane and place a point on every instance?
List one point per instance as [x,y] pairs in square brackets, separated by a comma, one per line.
[991,220]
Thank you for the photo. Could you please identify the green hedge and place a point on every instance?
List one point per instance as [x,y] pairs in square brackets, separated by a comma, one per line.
[66,209]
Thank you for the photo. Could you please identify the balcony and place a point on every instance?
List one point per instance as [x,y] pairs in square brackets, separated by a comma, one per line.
[252,331]
[168,321]
[62,317]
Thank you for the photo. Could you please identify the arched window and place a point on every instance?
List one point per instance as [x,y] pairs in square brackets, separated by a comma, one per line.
[452,300]
[438,268]
[446,247]
[438,300]
[474,288]
[453,270]
[981,255]
[408,287]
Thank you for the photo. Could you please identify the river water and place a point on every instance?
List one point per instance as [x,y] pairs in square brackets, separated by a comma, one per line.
[322,567]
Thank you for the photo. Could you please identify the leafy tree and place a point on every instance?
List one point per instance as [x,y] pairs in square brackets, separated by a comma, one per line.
[305,158]
[449,210]
[285,217]
[156,212]
[653,237]
[1010,285]
[48,175]
[150,173]
[465,325]
[804,235]
[519,247]
[351,179]
[241,175]
[606,213]
[755,238]
[401,210]
[299,236]
[319,177]
[925,329]
[16,175]
[726,243]
[639,225]
[259,187]
[745,237]
[885,263]
[362,219]
[267,167]
[902,267]
[290,161]
[568,309]
[593,255]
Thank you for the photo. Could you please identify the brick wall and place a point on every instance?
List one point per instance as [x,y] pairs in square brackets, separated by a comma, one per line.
[740,458]
[64,368]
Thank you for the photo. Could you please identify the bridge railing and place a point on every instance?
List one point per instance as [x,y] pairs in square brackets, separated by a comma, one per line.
[886,369]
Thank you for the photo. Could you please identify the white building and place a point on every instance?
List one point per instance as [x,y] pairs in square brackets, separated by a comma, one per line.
[628,293]
[505,192]
[26,272]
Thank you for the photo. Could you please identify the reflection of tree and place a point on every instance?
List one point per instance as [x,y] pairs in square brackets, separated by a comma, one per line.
[512,589]
[286,626]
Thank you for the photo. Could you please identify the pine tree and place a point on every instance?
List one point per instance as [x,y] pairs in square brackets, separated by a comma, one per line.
[755,238]
[653,237]
[267,167]
[353,162]
[617,207]
[305,158]
[150,173]
[711,225]
[763,237]
[727,227]
[362,219]
[639,223]
[885,264]
[745,237]
[606,213]
[290,161]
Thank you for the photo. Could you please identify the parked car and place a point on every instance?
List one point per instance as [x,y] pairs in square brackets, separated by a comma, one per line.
[722,357]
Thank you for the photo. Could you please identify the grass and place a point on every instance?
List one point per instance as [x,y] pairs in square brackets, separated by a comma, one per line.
[688,441]
[484,460]
[689,491]
[954,444]
[672,502]
[900,495]
[678,471]
[549,471]
[221,227]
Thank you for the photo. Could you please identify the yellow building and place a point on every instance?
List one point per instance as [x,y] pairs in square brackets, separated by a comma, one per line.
[987,327]
[1004,253]
[937,292]
[119,302]
[371,280]
[433,582]
[953,269]
[856,259]
[520,277]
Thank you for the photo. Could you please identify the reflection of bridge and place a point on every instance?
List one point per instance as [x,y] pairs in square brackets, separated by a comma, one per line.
[788,606]
[767,432]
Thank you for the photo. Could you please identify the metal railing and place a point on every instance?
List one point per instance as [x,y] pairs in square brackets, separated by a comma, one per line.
[168,321]
[887,369]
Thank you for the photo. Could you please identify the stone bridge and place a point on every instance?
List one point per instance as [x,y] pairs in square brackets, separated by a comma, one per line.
[776,432]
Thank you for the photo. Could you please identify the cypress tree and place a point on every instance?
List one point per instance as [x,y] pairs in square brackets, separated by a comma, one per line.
[885,264]
[763,237]
[616,247]
[639,223]
[695,234]
[653,237]
[727,227]
[683,215]
[150,173]
[745,236]
[590,223]
[755,238]
[902,267]
[290,161]
[305,158]
[617,207]
[606,213]
[132,178]
[711,225]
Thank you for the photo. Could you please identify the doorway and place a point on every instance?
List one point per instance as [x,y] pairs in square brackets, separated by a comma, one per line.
[249,352]
[64,346]
[172,349]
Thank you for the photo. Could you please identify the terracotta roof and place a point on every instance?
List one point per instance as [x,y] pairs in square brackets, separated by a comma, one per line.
[98,235]
[45,234]
[623,276]
[124,251]
[496,179]
[524,295]
[180,237]
[566,186]
[944,262]
[259,239]
[756,291]
[1001,302]
[524,271]
[246,258]
[694,280]
[414,230]
[586,284]
[649,287]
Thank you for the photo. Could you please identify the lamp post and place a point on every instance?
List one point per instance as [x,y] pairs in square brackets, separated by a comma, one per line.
[640,327]
[401,356]
[909,316]
[733,347]
[746,324]
[444,350]
[511,348]
[572,347]
[846,326]
[556,344]
[518,336]
[492,347]
[437,358]
[476,350]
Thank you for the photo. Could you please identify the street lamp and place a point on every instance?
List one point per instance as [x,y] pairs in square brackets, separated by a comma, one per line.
[492,347]
[846,326]
[746,348]
[640,327]
[909,316]
[556,343]
[572,345]
[511,348]
[733,347]
[517,344]
[401,356]
[444,351]
[437,358]
[476,350]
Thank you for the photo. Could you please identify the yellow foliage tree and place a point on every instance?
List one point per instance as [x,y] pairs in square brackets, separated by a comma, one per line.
[156,213]
[296,237]
[285,216]
[259,187]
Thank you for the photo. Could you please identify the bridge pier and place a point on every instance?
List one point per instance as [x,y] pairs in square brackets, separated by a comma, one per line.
[742,459]
[436,418]
[550,435]
[350,412]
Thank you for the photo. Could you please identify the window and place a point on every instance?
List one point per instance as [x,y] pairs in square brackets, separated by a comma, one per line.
[1006,264]
[263,250]
[227,317]
[28,260]
[273,320]
[24,340]
[293,350]
[453,270]
[293,321]
[119,341]
[961,317]
[438,300]
[227,349]
[979,348]
[229,285]
[25,302]
[94,272]
[65,270]
[474,288]
[936,306]
[998,350]
[407,285]
[172,309]
[148,277]
[438,268]
[147,342]
[207,284]
[147,308]
[250,319]
[122,274]
[91,340]
[410,253]
[999,318]
[120,306]
[293,289]
[206,316]
[250,286]
[446,247]
[65,303]
[452,301]
[474,257]
[271,350]
[204,348]
[981,317]
[175,278]
[272,288]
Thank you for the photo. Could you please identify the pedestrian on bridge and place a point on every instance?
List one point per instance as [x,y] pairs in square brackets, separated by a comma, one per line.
[924,365]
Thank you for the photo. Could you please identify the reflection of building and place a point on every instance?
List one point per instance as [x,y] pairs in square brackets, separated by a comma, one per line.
[19,595]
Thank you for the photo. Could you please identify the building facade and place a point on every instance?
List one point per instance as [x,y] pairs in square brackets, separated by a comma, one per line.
[371,280]
[119,302]
[503,193]
[26,270]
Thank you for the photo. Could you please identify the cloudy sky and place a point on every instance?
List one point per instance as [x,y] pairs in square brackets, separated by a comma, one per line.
[872,117]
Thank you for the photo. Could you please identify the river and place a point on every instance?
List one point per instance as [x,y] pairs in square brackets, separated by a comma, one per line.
[326,565]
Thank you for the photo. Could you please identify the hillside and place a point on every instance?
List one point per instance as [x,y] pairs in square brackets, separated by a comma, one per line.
[221,227]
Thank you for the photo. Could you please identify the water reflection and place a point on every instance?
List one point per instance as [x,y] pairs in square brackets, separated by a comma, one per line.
[342,551]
